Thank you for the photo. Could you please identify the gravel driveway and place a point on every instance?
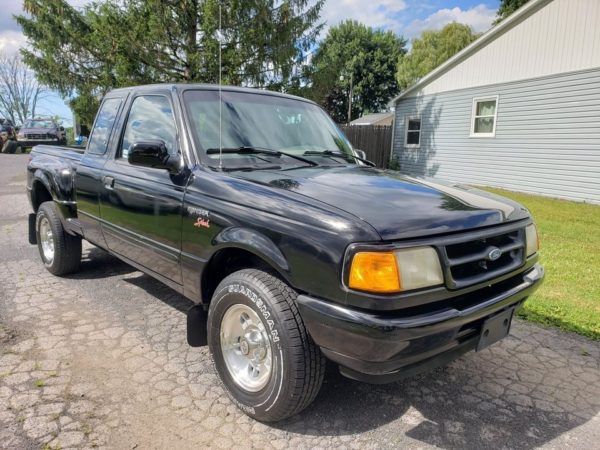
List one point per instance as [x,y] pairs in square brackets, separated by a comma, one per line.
[99,360]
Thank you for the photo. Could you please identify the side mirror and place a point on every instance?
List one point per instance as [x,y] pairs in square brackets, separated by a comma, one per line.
[360,153]
[153,154]
[61,129]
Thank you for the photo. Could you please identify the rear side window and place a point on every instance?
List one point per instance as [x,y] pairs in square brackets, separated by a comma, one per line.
[150,117]
[105,121]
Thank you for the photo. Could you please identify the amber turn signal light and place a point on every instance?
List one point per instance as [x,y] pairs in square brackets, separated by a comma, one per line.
[374,272]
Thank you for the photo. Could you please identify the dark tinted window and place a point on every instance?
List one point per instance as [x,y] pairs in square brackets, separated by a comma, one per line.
[105,121]
[413,131]
[150,117]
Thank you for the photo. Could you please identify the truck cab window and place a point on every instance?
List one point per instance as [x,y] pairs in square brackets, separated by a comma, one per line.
[150,117]
[107,114]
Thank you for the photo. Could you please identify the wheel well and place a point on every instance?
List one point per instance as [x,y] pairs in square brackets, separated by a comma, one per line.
[39,195]
[227,261]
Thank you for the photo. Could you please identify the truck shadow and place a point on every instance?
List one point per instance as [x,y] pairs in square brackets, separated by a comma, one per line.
[527,390]
[521,393]
[97,263]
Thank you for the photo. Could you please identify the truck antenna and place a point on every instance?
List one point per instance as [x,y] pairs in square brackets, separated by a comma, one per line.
[220,36]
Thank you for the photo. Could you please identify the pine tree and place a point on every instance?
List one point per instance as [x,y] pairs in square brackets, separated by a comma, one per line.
[506,8]
[85,52]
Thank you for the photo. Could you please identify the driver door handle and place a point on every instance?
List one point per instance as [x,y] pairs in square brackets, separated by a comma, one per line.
[109,182]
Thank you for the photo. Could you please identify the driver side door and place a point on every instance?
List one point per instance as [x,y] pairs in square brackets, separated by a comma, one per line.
[140,207]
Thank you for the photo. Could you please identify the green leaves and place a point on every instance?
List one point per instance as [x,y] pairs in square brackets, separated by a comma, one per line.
[104,45]
[506,8]
[353,54]
[431,50]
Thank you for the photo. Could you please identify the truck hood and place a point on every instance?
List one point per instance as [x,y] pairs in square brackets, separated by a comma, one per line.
[396,206]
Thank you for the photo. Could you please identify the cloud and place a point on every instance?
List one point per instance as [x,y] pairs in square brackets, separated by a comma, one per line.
[374,13]
[11,41]
[479,18]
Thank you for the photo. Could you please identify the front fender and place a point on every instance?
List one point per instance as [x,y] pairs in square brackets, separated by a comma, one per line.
[253,242]
[231,238]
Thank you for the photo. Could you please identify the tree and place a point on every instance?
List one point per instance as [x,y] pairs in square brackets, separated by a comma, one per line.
[355,60]
[506,8]
[19,90]
[431,50]
[117,43]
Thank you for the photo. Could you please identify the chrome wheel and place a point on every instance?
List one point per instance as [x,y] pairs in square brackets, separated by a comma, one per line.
[246,348]
[46,239]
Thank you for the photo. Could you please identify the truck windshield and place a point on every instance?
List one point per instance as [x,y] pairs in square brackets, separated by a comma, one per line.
[39,124]
[263,121]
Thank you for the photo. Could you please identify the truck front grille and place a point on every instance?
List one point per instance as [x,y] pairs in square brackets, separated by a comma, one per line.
[37,136]
[489,256]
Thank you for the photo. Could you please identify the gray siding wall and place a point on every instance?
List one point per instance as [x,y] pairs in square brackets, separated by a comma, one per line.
[547,137]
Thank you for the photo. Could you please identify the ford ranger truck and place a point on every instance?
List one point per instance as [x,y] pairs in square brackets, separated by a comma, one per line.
[293,249]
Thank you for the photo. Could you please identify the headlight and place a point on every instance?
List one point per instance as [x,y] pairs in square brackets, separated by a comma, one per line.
[401,270]
[532,239]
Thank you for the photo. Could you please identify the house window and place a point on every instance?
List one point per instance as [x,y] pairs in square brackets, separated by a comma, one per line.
[483,117]
[412,137]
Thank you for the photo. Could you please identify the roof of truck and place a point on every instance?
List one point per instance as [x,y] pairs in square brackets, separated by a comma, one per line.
[180,87]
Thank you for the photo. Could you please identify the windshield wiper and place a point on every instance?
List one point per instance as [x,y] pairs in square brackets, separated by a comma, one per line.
[340,154]
[247,168]
[249,149]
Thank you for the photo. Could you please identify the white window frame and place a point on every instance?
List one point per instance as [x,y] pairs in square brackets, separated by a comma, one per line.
[406,120]
[473,116]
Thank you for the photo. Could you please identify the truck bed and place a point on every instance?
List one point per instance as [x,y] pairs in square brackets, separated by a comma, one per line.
[72,152]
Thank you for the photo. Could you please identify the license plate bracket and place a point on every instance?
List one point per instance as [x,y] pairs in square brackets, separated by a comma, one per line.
[495,328]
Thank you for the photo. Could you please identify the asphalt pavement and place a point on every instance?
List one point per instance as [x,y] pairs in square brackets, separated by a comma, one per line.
[99,359]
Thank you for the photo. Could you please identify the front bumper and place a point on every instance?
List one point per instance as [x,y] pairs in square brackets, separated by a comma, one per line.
[381,347]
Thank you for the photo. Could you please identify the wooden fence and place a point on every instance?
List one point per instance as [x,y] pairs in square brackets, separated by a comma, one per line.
[374,140]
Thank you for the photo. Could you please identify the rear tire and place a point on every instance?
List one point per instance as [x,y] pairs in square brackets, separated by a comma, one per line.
[272,339]
[59,250]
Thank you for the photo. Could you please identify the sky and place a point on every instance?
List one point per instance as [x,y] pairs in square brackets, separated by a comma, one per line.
[407,18]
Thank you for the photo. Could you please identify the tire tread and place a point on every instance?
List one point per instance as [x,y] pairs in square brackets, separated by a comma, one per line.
[307,359]
[67,248]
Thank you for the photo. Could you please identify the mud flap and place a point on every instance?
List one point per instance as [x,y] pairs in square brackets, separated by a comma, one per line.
[32,233]
[197,319]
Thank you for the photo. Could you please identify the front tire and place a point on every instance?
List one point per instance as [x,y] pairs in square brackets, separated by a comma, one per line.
[9,146]
[60,251]
[268,363]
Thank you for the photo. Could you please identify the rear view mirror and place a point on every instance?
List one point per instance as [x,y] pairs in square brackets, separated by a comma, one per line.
[153,154]
[360,153]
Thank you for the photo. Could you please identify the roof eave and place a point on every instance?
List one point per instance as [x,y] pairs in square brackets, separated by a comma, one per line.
[493,33]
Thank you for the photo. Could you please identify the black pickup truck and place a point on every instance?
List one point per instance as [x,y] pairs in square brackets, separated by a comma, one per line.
[292,247]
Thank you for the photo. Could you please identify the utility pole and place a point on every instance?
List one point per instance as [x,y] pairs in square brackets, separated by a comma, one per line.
[350,99]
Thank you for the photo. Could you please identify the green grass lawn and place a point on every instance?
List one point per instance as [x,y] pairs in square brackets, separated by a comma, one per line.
[570,252]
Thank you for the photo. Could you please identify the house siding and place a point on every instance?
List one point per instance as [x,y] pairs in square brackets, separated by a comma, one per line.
[547,137]
[562,36]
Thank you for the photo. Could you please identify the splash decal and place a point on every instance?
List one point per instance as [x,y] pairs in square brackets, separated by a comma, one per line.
[202,223]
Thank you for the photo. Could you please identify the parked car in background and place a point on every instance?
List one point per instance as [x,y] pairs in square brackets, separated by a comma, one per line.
[7,136]
[41,131]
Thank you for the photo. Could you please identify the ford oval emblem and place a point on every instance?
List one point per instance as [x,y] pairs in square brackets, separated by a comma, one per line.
[494,254]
